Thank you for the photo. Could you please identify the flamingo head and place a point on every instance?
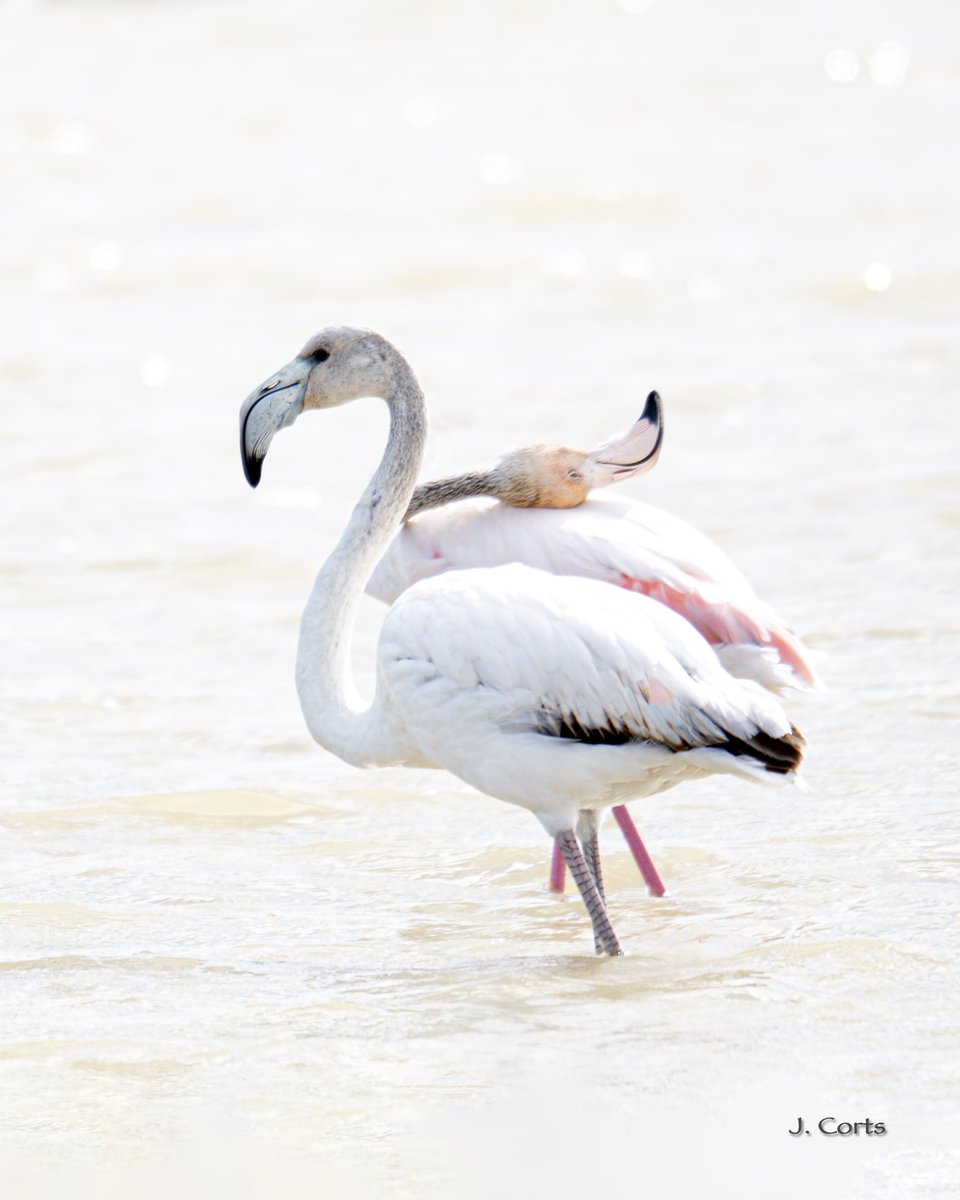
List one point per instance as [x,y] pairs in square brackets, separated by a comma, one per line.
[335,366]
[547,476]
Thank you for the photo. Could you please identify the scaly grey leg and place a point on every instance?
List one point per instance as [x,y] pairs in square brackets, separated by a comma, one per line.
[604,937]
[588,831]
[651,876]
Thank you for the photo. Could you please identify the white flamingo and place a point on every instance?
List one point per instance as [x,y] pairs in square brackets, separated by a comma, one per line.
[623,542]
[557,694]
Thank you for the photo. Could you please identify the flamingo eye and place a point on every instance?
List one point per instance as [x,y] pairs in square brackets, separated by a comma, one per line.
[320,355]
[574,475]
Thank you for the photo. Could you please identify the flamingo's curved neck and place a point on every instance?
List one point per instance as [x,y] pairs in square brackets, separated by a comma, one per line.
[332,708]
[455,487]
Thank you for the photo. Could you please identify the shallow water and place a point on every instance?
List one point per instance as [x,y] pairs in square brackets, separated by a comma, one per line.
[229,958]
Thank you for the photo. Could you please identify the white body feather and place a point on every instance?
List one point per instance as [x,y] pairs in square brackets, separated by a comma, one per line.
[477,666]
[632,545]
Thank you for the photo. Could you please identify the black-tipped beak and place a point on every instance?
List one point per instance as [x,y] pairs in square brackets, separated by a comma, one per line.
[252,465]
[268,409]
[632,453]
[653,416]
[653,410]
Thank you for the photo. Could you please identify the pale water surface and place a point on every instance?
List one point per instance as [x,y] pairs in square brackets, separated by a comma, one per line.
[232,962]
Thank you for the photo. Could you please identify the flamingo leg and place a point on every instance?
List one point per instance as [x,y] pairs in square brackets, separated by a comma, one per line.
[604,937]
[651,876]
[588,831]
[558,871]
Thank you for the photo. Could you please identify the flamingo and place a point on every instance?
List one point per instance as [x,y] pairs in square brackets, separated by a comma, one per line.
[557,694]
[626,543]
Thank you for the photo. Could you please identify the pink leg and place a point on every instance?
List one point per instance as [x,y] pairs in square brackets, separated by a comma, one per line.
[558,871]
[651,876]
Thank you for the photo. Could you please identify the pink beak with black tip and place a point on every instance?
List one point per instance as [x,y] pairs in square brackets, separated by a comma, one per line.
[633,453]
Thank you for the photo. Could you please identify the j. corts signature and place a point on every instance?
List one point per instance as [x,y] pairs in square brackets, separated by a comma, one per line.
[831,1127]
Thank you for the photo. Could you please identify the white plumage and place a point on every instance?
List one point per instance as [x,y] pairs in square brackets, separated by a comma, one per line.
[622,542]
[558,694]
[509,656]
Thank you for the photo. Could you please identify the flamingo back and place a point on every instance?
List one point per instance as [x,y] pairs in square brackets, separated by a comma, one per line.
[628,544]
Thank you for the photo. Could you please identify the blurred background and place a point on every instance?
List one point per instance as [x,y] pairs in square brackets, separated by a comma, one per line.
[225,948]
